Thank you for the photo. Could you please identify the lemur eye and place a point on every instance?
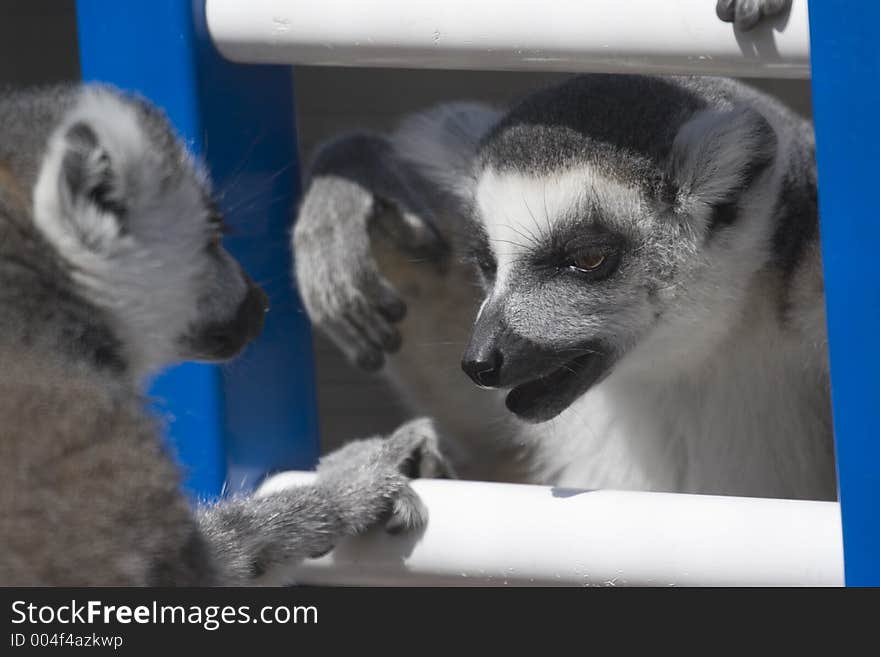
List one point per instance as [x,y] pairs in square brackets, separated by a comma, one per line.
[593,264]
[590,261]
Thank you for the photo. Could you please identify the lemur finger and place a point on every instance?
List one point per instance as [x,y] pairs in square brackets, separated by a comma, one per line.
[357,313]
[726,10]
[374,294]
[374,328]
[425,462]
[392,341]
[748,13]
[415,448]
[404,447]
[774,7]
[745,14]
[433,464]
[408,512]
[388,302]
[369,361]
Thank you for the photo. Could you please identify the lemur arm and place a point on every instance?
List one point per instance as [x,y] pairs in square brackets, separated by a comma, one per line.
[405,187]
[254,540]
[92,498]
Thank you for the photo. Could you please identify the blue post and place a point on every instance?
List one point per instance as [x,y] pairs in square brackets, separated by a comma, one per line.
[846,98]
[232,424]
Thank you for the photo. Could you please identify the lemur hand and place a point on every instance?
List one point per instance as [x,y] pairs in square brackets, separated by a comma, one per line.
[358,187]
[368,480]
[745,14]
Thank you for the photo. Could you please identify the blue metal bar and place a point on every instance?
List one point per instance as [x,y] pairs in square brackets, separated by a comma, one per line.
[233,424]
[845,70]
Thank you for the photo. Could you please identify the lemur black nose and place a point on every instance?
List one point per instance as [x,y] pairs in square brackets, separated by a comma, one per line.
[483,367]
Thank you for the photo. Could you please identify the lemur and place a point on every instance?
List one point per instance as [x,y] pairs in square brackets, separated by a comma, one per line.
[111,267]
[649,307]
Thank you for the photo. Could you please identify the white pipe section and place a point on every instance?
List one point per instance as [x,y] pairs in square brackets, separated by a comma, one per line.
[507,534]
[618,36]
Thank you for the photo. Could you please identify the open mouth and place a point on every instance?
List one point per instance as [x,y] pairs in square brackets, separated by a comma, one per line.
[546,397]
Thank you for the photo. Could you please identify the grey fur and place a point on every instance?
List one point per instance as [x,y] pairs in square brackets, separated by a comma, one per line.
[353,302]
[358,486]
[699,196]
[88,493]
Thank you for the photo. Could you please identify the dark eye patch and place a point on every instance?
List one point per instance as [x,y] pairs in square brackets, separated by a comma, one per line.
[592,240]
[565,244]
[588,250]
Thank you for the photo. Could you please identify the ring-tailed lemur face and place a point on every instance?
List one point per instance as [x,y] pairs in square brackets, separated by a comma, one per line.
[131,214]
[600,246]
[569,287]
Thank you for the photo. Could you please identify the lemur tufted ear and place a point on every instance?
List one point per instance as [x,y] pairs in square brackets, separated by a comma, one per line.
[90,187]
[715,157]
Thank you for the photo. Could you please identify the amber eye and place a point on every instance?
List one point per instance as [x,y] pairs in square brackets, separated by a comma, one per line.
[590,261]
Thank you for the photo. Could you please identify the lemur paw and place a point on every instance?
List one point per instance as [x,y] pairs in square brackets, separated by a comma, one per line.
[370,478]
[745,14]
[341,287]
[358,190]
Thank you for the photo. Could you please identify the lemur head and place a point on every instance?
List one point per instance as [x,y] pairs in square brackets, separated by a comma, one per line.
[131,217]
[614,214]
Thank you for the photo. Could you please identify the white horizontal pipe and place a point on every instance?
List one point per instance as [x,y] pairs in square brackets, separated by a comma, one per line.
[494,534]
[619,36]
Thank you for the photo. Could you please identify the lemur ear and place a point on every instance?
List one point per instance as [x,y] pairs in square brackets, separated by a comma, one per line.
[716,156]
[90,187]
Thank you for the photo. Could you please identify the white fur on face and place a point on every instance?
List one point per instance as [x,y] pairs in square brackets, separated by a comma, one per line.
[149,268]
[518,210]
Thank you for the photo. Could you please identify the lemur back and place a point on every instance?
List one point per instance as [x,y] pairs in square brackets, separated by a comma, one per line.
[111,268]
[652,306]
